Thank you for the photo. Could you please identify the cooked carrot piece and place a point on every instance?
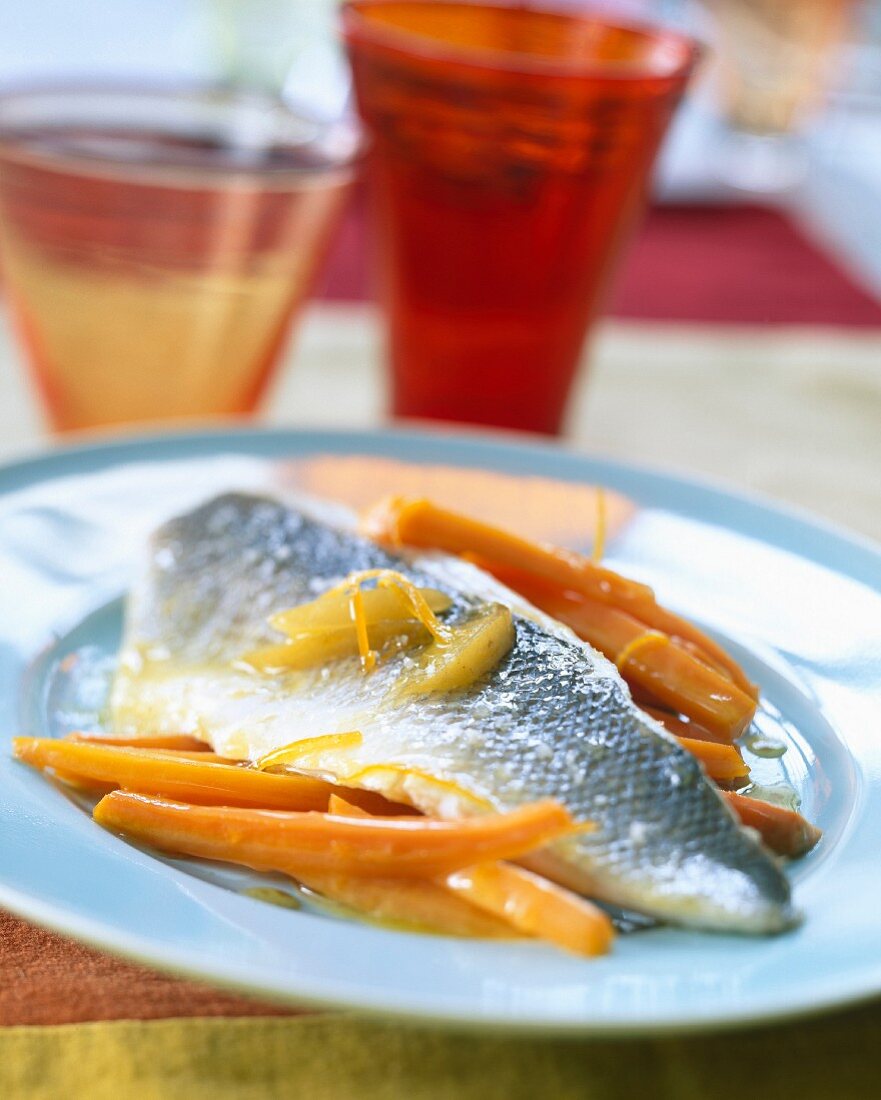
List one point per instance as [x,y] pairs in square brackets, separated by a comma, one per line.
[535,906]
[343,808]
[87,786]
[662,668]
[723,763]
[176,742]
[421,523]
[527,903]
[679,726]
[419,904]
[178,776]
[371,802]
[299,843]
[784,831]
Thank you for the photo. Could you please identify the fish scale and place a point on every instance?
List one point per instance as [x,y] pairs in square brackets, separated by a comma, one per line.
[554,719]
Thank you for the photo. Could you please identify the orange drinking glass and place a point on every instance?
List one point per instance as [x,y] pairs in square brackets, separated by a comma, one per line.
[511,149]
[156,245]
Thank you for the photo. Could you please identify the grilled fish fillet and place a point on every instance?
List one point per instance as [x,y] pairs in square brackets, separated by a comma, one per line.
[553,720]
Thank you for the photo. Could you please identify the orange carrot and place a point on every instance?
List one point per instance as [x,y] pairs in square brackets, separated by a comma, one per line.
[87,786]
[179,776]
[535,906]
[680,727]
[176,742]
[421,523]
[300,843]
[784,831]
[419,904]
[723,763]
[343,808]
[662,668]
[525,902]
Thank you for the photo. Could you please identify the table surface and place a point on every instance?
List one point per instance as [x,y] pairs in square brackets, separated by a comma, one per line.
[790,411]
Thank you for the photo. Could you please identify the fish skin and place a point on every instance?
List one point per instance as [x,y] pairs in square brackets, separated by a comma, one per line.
[553,720]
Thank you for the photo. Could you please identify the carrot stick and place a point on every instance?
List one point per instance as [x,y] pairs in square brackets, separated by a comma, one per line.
[87,786]
[342,808]
[663,669]
[300,843]
[525,902]
[421,523]
[784,831]
[680,727]
[722,763]
[419,904]
[151,771]
[177,742]
[535,906]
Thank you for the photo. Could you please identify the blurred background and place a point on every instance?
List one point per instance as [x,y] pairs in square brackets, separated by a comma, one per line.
[759,255]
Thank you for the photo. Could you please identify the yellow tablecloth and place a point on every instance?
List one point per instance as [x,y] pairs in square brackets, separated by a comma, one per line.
[340,1057]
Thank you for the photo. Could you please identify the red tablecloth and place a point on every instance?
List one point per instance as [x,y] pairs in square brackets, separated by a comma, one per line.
[722,264]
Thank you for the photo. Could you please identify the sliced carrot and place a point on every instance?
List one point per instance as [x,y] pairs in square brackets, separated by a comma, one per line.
[784,831]
[645,658]
[536,907]
[679,726]
[176,742]
[723,763]
[300,843]
[524,901]
[342,808]
[152,771]
[87,786]
[374,803]
[421,523]
[418,904]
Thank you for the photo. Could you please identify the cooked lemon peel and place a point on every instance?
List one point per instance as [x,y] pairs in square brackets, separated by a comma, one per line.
[309,746]
[387,578]
[327,635]
[474,649]
[359,618]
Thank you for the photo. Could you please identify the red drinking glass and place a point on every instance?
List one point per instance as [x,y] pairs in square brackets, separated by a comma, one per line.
[511,150]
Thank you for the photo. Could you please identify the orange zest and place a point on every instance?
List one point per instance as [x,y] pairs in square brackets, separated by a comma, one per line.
[299,751]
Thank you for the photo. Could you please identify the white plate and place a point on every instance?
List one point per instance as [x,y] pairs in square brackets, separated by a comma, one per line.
[797,602]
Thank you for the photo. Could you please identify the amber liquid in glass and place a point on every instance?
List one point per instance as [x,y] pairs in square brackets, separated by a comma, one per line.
[155,275]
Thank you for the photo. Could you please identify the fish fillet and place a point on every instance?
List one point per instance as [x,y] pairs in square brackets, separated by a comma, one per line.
[553,719]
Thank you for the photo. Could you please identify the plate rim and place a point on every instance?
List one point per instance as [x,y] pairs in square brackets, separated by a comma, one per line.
[114,449]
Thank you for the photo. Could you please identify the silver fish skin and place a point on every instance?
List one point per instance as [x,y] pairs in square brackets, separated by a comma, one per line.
[553,720]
